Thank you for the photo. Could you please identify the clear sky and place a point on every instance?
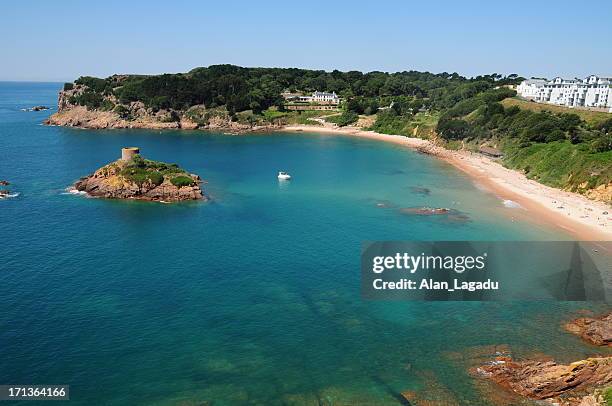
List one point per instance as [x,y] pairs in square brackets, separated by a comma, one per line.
[61,40]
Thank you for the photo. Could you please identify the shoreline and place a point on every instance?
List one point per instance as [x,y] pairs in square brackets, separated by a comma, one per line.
[540,204]
[572,212]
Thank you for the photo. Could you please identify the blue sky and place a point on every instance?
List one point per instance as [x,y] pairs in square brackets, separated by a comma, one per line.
[61,40]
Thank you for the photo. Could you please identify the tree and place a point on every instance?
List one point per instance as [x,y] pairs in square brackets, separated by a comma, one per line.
[453,129]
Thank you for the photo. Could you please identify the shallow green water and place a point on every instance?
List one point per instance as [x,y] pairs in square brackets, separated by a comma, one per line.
[253,297]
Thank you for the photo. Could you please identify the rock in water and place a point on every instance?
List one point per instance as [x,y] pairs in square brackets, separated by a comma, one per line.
[547,379]
[597,331]
[137,178]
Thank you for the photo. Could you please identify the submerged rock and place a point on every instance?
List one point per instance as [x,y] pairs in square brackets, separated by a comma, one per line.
[426,211]
[423,191]
[596,331]
[449,215]
[133,177]
[4,183]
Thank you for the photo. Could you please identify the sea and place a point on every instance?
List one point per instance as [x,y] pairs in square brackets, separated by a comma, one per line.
[253,296]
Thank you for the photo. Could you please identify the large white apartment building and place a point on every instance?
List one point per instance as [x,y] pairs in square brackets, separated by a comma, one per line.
[594,91]
[530,88]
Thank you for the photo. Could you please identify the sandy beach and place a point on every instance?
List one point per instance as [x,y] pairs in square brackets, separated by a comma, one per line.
[588,220]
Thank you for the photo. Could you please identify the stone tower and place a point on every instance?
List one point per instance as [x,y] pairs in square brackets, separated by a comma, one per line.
[129,152]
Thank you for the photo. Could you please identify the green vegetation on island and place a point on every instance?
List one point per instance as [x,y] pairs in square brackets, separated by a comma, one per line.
[133,177]
[140,170]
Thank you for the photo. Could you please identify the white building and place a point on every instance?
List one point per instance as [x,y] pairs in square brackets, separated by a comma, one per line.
[594,91]
[317,97]
[327,98]
[530,88]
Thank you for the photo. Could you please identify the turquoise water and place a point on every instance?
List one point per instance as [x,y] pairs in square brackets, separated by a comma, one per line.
[252,297]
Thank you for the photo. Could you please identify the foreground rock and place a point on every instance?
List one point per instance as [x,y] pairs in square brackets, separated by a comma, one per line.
[596,331]
[563,384]
[133,177]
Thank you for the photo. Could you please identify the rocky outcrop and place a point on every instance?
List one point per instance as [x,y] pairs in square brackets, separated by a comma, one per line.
[137,115]
[597,331]
[141,180]
[80,116]
[602,192]
[36,108]
[547,379]
[5,193]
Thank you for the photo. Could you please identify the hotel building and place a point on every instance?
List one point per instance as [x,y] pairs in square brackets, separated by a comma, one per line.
[593,91]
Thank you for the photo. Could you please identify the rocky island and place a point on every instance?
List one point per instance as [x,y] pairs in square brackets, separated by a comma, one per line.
[133,177]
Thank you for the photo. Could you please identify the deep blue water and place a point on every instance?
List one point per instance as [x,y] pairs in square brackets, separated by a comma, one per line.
[252,297]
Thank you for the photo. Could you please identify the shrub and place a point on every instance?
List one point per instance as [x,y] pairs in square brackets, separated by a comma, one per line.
[344,119]
[606,127]
[607,395]
[122,111]
[89,99]
[107,105]
[138,161]
[602,144]
[453,129]
[389,122]
[142,175]
[95,84]
[182,180]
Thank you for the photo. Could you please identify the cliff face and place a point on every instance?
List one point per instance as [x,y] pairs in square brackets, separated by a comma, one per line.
[153,181]
[80,116]
[113,114]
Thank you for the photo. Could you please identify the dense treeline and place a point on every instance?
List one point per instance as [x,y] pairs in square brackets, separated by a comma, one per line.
[257,89]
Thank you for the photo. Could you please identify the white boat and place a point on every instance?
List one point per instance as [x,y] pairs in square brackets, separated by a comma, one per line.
[283,176]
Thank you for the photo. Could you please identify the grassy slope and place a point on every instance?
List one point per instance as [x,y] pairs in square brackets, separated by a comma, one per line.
[423,123]
[558,164]
[561,164]
[591,117]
